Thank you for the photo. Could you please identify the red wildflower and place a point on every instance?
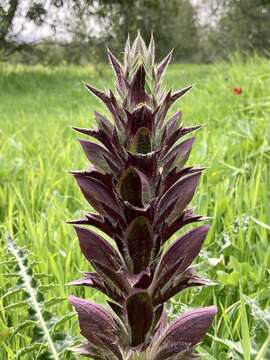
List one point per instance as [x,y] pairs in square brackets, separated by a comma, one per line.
[237,90]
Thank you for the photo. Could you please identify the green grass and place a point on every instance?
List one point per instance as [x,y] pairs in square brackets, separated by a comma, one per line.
[39,105]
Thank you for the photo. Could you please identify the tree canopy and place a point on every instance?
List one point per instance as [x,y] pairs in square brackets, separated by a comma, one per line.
[80,29]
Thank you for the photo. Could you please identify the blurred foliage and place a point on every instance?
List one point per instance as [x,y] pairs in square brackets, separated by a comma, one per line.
[173,23]
[199,31]
[242,25]
[40,103]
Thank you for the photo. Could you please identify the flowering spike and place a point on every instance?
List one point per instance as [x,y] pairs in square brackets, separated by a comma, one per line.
[140,186]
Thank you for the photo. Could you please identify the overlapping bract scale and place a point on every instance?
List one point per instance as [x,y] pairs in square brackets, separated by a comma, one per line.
[141,189]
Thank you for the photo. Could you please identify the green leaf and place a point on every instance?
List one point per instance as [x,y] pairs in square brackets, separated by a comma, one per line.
[54,301]
[21,326]
[245,341]
[15,305]
[37,348]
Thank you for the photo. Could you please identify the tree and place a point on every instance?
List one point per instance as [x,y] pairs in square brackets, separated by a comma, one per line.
[174,23]
[7,14]
[15,14]
[92,23]
[242,25]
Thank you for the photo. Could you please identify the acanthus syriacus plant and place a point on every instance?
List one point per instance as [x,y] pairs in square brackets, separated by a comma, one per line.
[141,190]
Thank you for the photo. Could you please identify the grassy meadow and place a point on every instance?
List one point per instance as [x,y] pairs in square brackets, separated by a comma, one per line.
[38,107]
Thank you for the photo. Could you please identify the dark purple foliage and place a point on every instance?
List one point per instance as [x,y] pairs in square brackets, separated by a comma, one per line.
[141,189]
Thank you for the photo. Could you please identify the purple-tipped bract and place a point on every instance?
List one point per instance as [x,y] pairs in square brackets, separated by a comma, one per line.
[140,188]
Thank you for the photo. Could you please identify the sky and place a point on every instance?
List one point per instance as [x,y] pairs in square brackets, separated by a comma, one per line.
[28,31]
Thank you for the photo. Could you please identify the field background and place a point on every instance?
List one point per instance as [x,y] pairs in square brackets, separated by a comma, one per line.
[38,106]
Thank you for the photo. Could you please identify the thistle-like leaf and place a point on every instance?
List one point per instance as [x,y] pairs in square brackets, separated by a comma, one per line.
[151,51]
[40,322]
[178,156]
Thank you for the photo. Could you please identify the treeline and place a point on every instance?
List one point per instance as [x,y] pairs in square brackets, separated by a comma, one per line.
[79,30]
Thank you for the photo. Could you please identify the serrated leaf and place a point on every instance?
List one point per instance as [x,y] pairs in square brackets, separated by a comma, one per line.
[11,292]
[63,319]
[18,304]
[54,301]
[21,326]
[37,347]
[28,282]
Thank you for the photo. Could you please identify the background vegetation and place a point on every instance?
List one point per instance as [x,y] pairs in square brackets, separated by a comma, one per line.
[77,31]
[38,147]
